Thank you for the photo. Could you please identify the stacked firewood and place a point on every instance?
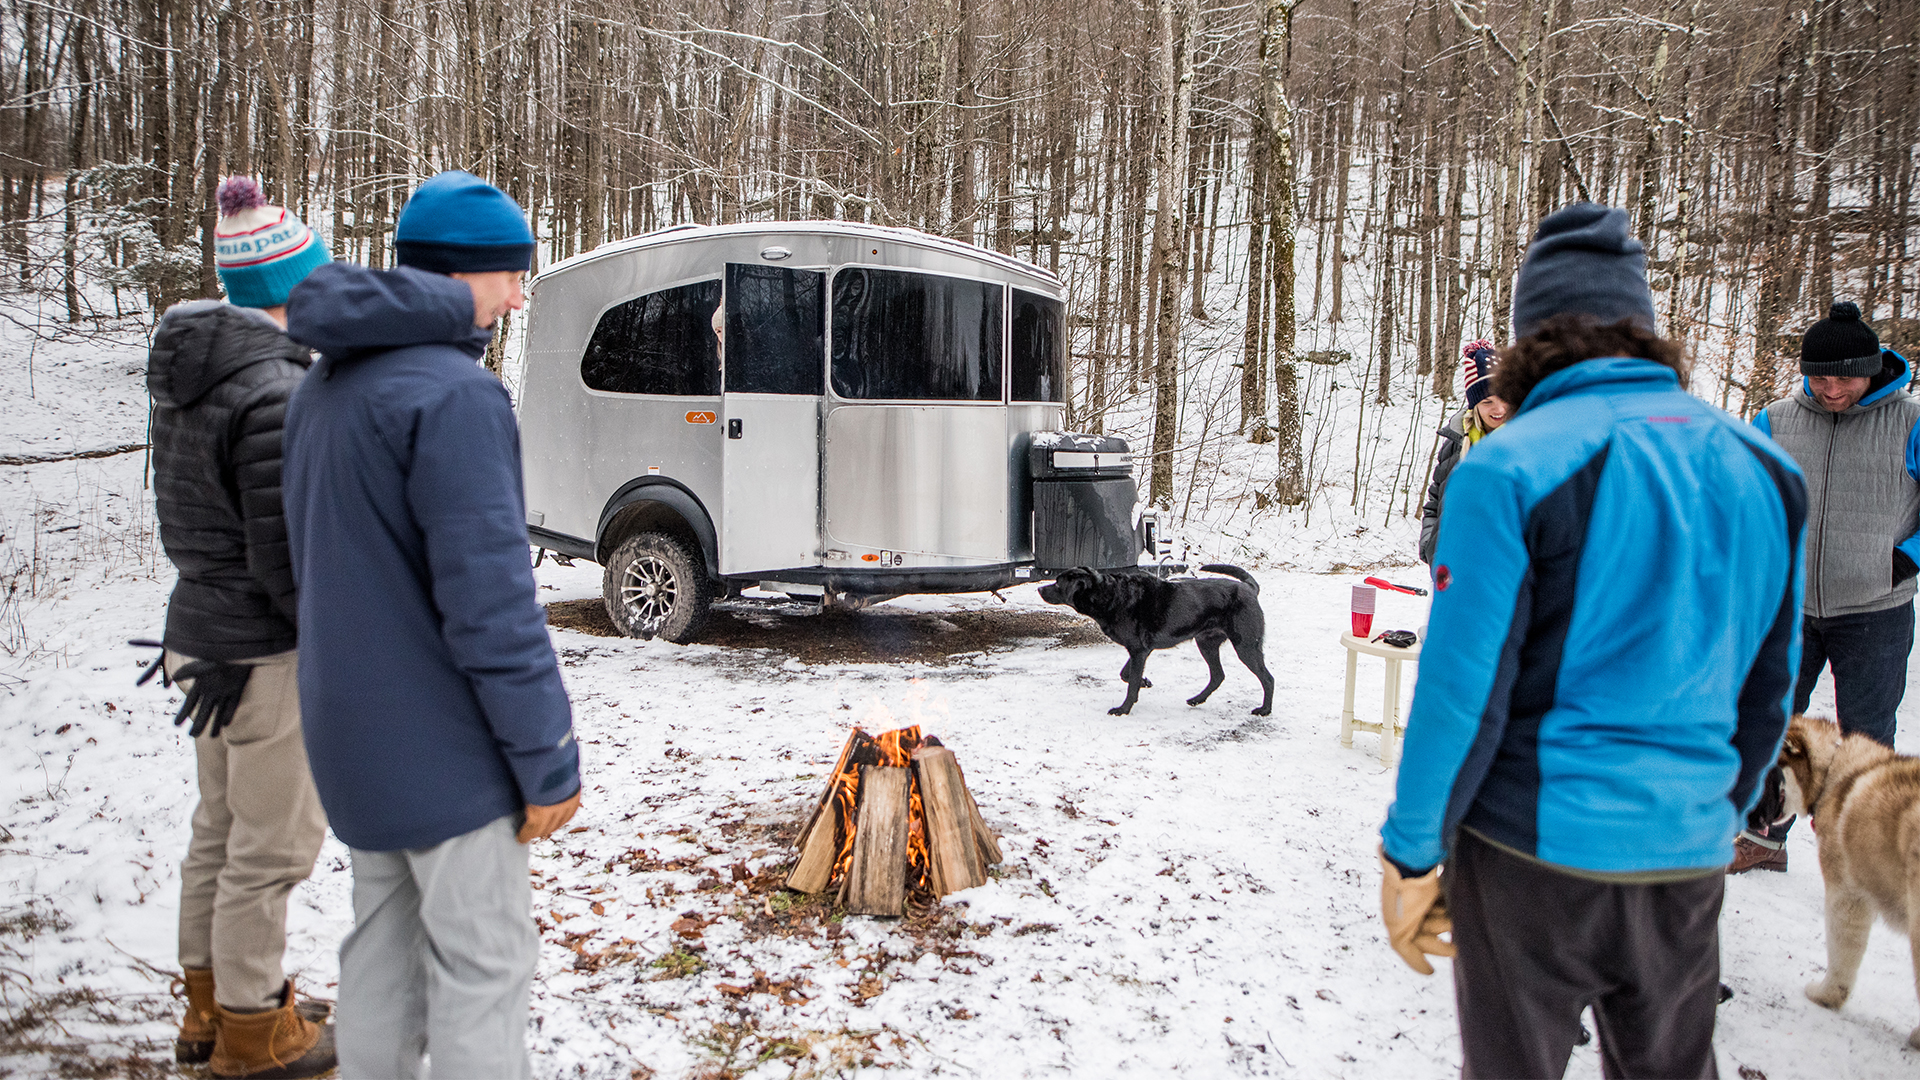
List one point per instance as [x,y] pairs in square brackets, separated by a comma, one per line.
[896,822]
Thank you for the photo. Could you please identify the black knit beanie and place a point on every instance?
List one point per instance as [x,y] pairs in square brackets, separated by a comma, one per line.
[1583,262]
[1841,344]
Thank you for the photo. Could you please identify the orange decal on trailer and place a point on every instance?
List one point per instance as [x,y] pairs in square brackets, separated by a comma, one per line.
[703,418]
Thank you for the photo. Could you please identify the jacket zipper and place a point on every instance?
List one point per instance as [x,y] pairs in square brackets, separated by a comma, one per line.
[1826,488]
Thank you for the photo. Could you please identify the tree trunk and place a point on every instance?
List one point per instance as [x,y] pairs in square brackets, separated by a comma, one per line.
[1176,86]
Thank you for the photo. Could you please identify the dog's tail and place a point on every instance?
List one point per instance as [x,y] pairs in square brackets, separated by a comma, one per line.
[1232,572]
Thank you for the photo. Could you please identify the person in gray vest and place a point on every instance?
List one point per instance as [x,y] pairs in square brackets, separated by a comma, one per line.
[1854,428]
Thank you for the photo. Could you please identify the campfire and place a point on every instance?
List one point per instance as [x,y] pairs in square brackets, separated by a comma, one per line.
[895,823]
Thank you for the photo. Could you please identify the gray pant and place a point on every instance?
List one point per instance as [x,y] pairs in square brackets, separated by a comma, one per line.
[256,832]
[440,960]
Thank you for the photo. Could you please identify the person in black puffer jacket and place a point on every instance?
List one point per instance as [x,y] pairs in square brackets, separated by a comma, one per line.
[221,374]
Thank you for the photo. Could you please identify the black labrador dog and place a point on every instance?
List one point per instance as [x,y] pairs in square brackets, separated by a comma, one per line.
[1144,612]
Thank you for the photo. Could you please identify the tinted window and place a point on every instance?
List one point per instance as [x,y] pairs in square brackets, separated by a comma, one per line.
[775,330]
[1038,367]
[904,335]
[660,343]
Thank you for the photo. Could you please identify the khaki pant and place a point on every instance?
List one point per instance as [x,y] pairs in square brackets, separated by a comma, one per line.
[256,834]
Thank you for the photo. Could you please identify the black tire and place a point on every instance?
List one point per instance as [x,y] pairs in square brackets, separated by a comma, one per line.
[656,585]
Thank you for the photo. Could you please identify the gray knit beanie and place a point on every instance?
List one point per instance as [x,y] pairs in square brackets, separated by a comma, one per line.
[1583,262]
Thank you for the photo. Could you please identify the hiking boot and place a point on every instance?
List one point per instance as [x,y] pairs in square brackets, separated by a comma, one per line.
[1752,855]
[194,1044]
[274,1044]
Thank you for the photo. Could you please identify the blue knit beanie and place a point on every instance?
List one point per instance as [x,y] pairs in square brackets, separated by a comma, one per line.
[260,250]
[458,223]
[1583,262]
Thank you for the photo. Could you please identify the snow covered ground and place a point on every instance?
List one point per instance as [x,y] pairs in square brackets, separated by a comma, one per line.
[1188,891]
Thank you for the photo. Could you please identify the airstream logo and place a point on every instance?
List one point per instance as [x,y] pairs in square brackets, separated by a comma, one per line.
[703,418]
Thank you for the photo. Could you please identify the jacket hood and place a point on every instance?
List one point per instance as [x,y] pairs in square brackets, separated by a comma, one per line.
[1875,397]
[347,312]
[1455,426]
[1612,370]
[201,343]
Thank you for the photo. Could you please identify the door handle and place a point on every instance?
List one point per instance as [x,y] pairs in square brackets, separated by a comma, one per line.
[736,428]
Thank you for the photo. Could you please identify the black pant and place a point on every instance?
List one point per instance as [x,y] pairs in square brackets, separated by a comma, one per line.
[1537,946]
[1868,653]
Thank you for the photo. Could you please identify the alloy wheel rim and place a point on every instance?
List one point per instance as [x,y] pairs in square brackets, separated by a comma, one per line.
[648,590]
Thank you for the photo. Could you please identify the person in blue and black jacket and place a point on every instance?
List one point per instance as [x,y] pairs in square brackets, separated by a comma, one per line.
[1607,676]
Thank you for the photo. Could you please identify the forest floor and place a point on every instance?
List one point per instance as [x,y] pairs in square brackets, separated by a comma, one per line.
[1187,891]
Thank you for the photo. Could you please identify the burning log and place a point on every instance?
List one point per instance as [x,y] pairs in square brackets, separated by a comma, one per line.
[896,822]
[820,840]
[876,882]
[953,846]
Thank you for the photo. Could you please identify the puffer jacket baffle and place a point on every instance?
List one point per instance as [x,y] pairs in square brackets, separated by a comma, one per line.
[220,377]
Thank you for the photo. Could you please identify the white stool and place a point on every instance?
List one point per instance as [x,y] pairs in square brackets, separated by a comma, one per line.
[1390,725]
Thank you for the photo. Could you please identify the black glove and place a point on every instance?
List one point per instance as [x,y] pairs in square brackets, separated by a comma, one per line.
[213,693]
[1903,567]
[159,665]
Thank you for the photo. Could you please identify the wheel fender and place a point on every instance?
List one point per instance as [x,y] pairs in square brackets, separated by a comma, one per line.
[667,496]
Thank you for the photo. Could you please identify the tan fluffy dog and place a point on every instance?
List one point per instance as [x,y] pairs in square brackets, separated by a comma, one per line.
[1864,800]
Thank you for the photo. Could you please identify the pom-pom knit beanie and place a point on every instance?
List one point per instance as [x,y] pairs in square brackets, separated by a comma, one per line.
[261,251]
[458,223]
[1841,344]
[1477,370]
[1583,262]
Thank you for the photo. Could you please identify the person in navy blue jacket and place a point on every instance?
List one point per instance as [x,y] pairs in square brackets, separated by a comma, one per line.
[1607,676]
[438,730]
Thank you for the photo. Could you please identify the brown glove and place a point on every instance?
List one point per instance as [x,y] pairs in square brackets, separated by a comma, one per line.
[1415,914]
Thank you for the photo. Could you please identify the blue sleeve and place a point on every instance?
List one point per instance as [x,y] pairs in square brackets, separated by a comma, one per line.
[1480,567]
[1761,421]
[465,494]
[1911,545]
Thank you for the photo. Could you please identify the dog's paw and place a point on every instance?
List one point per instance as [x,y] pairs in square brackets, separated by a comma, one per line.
[1146,684]
[1826,995]
[1262,710]
[1120,710]
[1198,699]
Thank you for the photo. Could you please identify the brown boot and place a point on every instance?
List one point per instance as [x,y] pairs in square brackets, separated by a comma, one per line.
[275,1044]
[1748,855]
[194,1044]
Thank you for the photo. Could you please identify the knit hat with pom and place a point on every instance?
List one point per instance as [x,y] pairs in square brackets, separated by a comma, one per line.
[1477,370]
[261,250]
[1841,344]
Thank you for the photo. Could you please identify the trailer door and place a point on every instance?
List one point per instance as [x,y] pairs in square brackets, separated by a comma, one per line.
[774,352]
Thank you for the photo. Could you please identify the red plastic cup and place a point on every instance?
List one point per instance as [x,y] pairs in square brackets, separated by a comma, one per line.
[1363,599]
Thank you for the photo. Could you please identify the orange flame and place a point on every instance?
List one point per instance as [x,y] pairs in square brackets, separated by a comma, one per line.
[894,749]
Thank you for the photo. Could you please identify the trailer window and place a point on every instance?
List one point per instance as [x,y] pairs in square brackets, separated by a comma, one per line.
[1038,366]
[775,330]
[905,335]
[660,343]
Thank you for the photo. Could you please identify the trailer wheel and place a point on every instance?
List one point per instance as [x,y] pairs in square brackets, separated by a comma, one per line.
[656,586]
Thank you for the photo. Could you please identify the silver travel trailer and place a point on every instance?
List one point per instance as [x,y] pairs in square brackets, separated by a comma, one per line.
[823,409]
